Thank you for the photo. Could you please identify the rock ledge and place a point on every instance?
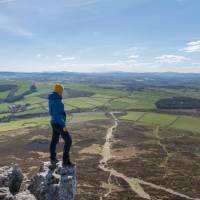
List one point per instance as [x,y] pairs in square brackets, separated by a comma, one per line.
[58,184]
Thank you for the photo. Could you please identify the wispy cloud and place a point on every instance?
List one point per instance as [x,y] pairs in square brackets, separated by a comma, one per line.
[192,47]
[67,58]
[9,25]
[169,59]
[16,30]
[7,1]
[134,56]
[130,53]
[64,58]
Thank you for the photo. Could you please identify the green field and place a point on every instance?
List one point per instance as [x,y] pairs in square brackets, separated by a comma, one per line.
[142,102]
[150,118]
[4,94]
[32,111]
[88,116]
[160,119]
[133,116]
[78,103]
[98,90]
[23,123]
[37,121]
[23,87]
[4,107]
[165,120]
[187,123]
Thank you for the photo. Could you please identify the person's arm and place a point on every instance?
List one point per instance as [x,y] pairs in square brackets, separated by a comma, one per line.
[58,112]
[65,116]
[65,128]
[50,104]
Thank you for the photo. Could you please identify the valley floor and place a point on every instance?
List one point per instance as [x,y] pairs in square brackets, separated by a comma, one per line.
[116,159]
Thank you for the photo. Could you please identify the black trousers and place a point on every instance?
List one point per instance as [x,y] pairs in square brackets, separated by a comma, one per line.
[57,131]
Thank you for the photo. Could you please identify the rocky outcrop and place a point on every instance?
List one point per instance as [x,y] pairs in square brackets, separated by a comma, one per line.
[5,194]
[25,195]
[11,178]
[57,184]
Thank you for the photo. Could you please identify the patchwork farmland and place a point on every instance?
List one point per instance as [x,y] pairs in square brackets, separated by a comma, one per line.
[153,149]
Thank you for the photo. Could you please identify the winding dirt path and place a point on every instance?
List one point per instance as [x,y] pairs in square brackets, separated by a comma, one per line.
[157,136]
[134,183]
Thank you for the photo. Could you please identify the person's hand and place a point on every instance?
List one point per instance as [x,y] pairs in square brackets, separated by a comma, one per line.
[65,129]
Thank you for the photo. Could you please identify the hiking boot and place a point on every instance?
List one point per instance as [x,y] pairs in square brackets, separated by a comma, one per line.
[68,164]
[54,162]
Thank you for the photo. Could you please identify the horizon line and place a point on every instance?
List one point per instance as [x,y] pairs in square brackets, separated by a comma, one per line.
[98,72]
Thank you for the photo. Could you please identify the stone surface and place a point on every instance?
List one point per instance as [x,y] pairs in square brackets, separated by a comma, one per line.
[67,187]
[26,195]
[10,182]
[5,194]
[15,179]
[58,184]
[4,176]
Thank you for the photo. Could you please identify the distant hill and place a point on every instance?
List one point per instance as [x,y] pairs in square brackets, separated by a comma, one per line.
[130,80]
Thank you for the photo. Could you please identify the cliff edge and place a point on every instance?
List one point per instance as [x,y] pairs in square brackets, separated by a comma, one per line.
[47,184]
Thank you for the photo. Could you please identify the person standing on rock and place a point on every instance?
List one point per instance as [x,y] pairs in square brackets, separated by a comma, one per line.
[58,123]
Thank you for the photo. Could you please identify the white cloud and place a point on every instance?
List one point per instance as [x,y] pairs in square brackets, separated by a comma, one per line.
[194,43]
[169,59]
[192,46]
[134,56]
[67,58]
[119,65]
[38,55]
[62,58]
[59,55]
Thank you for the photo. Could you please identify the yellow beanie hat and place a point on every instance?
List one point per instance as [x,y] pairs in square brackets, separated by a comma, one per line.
[58,88]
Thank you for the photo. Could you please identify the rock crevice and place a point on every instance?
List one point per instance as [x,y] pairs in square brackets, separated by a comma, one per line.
[58,184]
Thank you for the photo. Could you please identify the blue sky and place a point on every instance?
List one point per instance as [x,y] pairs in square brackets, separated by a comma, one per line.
[100,35]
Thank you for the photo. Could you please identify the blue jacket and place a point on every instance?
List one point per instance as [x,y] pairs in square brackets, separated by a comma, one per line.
[56,109]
